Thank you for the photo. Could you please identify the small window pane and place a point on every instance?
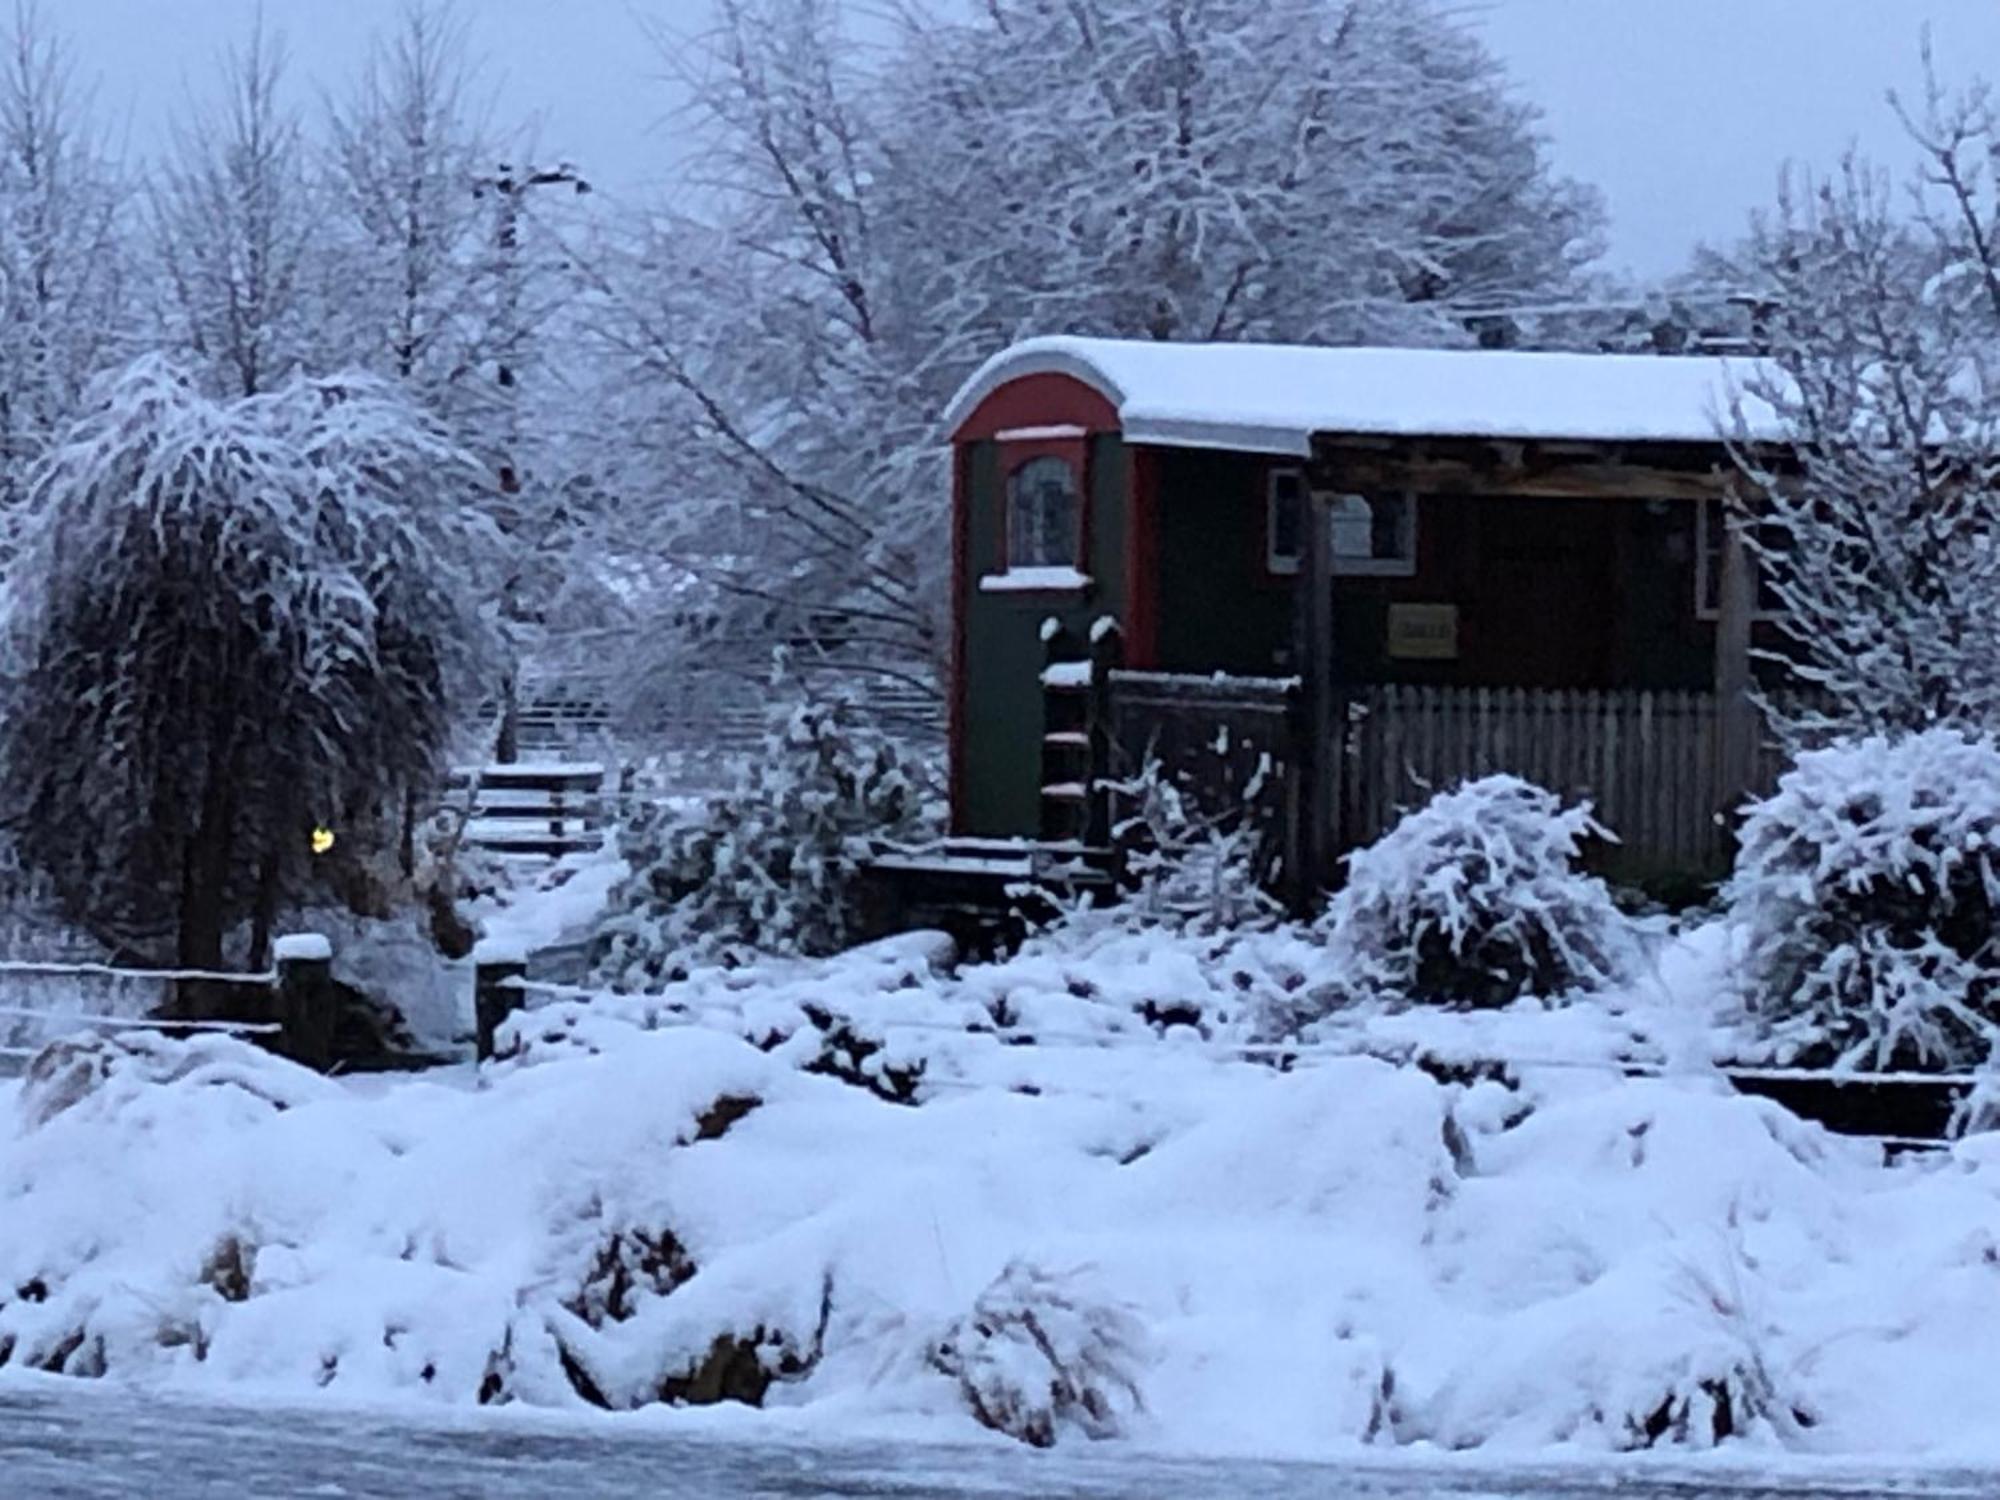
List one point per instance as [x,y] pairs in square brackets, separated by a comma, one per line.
[1351,520]
[1386,540]
[1373,534]
[1042,515]
[1284,524]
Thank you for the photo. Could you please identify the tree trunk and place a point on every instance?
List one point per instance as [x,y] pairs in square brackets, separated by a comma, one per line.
[265,916]
[508,749]
[406,849]
[204,915]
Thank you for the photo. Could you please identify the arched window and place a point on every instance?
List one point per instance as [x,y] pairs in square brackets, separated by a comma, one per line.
[1044,515]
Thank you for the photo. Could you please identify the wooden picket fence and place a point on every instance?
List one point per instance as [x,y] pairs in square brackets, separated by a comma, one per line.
[1647,761]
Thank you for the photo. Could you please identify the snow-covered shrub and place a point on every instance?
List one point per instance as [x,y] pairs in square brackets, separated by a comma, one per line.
[1193,869]
[770,865]
[115,1068]
[1041,1351]
[1868,889]
[1477,899]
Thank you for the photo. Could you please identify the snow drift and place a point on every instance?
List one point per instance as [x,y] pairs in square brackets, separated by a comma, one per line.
[852,1193]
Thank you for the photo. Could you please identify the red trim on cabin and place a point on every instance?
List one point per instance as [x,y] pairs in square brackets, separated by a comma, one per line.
[961,485]
[1142,560]
[1039,401]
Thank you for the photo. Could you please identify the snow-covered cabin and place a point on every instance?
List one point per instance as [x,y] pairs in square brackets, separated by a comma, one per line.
[1524,568]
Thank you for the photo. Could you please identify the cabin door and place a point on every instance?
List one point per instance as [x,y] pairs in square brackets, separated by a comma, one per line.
[1543,591]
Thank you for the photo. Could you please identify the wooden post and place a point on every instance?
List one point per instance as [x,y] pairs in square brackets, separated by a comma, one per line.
[305,1001]
[1107,655]
[1316,842]
[497,972]
[1736,718]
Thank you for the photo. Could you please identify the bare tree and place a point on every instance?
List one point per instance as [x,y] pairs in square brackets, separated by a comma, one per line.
[1878,534]
[236,220]
[1199,169]
[64,267]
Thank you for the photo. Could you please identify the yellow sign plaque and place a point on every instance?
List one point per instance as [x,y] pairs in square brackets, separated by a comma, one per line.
[1423,632]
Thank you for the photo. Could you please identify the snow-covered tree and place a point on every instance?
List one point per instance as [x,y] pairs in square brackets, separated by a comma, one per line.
[240,620]
[407,147]
[771,865]
[1327,171]
[1875,526]
[64,258]
[438,289]
[1202,169]
[236,223]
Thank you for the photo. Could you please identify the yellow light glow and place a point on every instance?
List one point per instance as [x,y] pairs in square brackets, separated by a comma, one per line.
[322,840]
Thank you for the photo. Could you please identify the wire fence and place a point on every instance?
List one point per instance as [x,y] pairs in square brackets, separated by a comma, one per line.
[1901,1110]
[74,998]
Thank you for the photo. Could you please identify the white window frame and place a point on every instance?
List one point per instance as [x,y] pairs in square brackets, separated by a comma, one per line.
[1404,566]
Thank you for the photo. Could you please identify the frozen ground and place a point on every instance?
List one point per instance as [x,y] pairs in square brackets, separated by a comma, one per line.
[62,1442]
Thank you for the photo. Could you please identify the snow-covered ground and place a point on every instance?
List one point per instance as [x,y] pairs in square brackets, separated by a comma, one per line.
[888,1196]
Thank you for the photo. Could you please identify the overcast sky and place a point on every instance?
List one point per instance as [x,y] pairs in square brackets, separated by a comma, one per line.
[1680,110]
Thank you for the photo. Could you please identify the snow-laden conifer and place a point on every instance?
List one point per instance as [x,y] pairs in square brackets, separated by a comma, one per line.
[770,865]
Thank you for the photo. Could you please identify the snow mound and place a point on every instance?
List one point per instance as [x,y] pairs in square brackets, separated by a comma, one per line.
[1127,1228]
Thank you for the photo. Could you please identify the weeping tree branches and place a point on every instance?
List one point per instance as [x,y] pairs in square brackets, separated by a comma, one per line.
[244,619]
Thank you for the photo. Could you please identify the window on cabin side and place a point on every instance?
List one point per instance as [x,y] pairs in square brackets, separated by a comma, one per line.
[1373,534]
[1711,530]
[1044,515]
[1285,522]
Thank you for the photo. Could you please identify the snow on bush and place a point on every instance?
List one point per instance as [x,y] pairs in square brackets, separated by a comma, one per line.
[1042,1350]
[1867,889]
[1477,899]
[1208,873]
[771,865]
[109,1072]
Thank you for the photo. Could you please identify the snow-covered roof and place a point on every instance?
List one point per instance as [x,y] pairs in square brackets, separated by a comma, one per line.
[1271,398]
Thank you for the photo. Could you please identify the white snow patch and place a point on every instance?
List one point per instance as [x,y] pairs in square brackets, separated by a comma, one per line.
[302,947]
[1271,398]
[1033,581]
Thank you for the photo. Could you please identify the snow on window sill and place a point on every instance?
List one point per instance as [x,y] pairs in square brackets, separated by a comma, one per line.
[1034,581]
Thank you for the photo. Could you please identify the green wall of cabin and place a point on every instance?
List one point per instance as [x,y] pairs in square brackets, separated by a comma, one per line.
[1550,593]
[1001,741]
